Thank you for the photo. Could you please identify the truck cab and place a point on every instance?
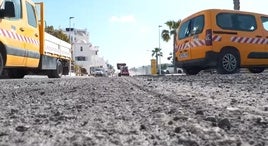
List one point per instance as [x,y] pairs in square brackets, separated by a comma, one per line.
[24,45]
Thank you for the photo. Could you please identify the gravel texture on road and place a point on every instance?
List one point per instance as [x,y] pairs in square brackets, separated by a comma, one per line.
[202,110]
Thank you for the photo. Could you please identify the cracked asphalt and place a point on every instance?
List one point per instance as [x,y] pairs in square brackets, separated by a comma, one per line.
[202,110]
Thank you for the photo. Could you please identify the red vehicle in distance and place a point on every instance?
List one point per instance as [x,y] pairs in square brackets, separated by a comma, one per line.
[123,69]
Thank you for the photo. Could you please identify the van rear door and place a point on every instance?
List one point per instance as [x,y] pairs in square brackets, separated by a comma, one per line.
[183,42]
[191,39]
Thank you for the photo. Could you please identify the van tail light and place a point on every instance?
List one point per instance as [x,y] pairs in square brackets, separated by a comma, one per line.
[208,37]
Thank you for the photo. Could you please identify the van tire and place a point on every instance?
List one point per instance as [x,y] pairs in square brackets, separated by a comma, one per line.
[191,71]
[1,64]
[256,69]
[57,73]
[228,62]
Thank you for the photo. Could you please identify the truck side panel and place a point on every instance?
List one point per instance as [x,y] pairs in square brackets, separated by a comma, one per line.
[55,47]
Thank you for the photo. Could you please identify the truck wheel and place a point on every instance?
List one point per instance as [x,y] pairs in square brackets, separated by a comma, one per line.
[228,62]
[1,64]
[16,73]
[256,69]
[57,73]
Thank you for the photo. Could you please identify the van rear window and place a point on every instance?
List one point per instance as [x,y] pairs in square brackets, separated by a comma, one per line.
[191,27]
[241,22]
[265,22]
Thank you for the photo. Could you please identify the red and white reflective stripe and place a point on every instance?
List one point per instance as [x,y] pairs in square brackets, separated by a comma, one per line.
[261,41]
[197,43]
[18,37]
[216,38]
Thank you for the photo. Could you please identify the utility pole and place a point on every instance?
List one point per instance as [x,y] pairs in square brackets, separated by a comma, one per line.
[71,42]
[158,53]
[236,4]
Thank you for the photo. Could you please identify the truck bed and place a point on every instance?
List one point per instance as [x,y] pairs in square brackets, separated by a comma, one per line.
[56,47]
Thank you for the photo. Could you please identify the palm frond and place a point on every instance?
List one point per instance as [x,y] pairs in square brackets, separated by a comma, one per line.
[165,35]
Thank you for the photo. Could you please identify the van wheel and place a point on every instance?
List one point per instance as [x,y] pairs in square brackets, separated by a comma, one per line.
[256,69]
[57,73]
[1,64]
[191,71]
[228,62]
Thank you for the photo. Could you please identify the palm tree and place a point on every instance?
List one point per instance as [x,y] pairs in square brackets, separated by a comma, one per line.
[156,52]
[166,36]
[236,4]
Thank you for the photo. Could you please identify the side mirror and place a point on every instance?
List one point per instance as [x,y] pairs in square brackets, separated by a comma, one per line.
[9,10]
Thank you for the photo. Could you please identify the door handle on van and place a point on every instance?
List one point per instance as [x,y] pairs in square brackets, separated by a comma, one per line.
[22,29]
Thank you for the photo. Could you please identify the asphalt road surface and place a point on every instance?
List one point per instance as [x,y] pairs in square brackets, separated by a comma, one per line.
[202,110]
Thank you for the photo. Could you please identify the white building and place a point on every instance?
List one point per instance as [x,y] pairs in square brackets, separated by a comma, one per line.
[84,53]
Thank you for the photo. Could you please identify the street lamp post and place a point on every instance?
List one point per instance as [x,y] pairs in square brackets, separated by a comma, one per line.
[70,41]
[70,23]
[159,27]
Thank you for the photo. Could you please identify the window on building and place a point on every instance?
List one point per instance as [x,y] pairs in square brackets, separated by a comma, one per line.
[80,58]
[81,49]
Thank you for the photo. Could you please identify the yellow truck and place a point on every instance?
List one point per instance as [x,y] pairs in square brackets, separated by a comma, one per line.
[25,47]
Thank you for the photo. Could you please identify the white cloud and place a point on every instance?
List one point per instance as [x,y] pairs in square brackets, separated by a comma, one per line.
[123,19]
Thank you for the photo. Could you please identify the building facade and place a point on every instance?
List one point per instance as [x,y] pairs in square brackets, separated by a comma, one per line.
[84,53]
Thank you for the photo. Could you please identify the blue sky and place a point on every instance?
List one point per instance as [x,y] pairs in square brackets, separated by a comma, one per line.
[127,30]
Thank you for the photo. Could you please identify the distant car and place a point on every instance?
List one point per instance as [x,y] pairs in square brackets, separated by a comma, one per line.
[98,72]
[163,71]
[170,70]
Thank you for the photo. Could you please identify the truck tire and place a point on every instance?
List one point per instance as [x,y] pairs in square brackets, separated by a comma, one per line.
[1,64]
[228,62]
[57,73]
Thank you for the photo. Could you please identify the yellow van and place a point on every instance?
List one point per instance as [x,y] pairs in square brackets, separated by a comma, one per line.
[226,40]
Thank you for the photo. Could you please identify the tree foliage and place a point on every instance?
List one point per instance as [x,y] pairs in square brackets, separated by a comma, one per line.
[167,35]
[156,52]
[57,33]
[173,26]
